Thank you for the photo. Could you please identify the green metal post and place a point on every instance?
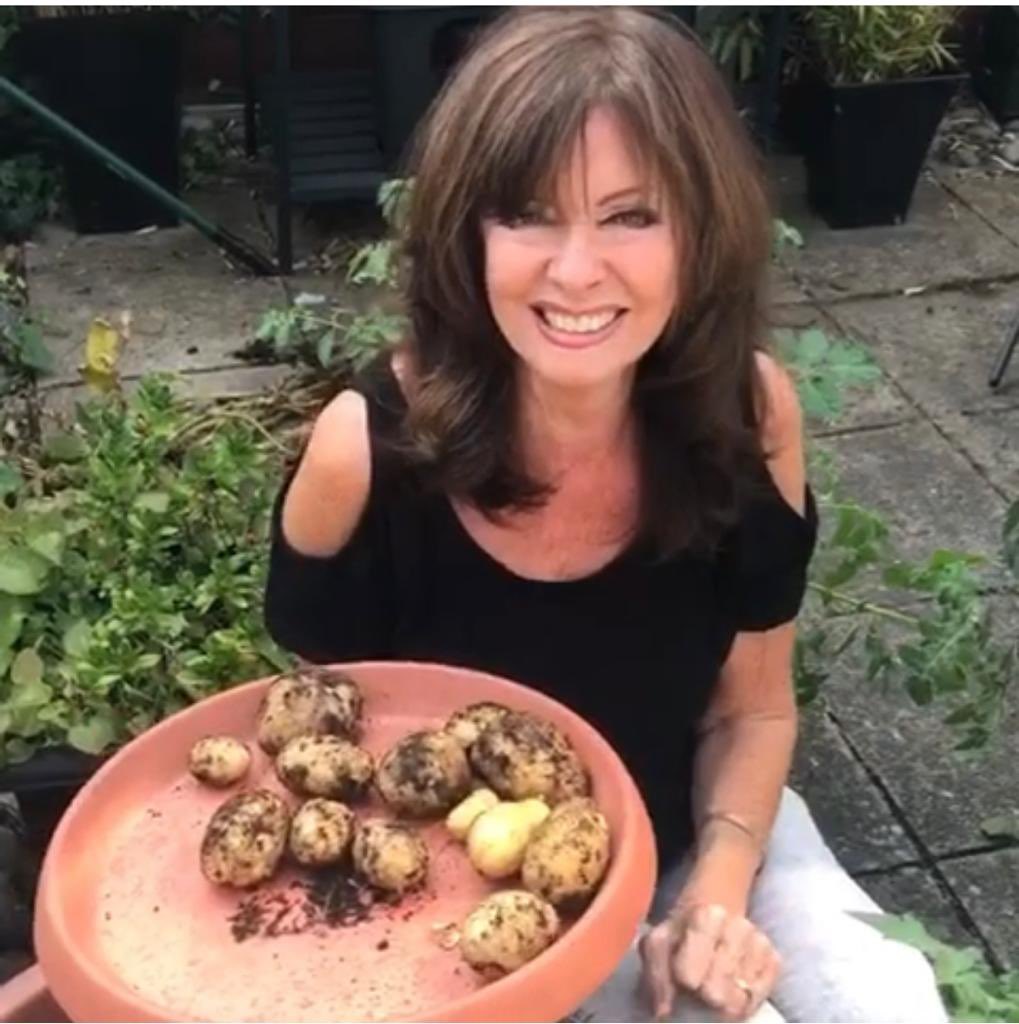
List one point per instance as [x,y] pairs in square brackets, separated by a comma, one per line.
[235,246]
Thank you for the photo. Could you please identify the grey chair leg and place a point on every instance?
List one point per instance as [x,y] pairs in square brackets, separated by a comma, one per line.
[1006,353]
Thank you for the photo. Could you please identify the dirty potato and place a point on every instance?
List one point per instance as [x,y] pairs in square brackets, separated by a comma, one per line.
[390,856]
[425,773]
[507,930]
[311,702]
[245,839]
[521,756]
[468,723]
[325,766]
[321,832]
[567,856]
[219,761]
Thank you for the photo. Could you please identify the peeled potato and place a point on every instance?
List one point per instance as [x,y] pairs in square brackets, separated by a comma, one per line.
[460,819]
[498,837]
[468,723]
[566,859]
[325,766]
[245,839]
[219,761]
[390,856]
[425,773]
[321,832]
[507,930]
[520,756]
[311,702]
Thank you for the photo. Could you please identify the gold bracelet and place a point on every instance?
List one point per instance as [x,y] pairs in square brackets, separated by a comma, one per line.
[736,823]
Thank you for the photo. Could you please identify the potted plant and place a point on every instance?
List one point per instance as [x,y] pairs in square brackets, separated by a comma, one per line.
[881,81]
[996,64]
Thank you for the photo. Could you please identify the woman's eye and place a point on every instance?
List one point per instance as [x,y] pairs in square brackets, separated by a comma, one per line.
[525,219]
[636,218]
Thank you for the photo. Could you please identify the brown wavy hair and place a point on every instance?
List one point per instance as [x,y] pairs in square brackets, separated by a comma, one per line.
[495,139]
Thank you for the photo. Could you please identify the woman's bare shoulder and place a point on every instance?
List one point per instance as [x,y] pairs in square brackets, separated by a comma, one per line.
[781,427]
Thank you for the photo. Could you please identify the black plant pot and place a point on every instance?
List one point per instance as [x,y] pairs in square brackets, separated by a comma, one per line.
[996,67]
[115,77]
[864,146]
[45,784]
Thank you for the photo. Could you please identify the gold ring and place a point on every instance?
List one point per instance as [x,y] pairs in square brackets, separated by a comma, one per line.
[744,988]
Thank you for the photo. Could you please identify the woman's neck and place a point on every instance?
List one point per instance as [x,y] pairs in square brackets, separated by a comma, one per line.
[563,427]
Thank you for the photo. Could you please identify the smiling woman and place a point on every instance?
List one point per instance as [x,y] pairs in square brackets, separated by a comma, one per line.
[581,471]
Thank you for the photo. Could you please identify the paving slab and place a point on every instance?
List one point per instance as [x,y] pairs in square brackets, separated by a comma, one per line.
[877,404]
[915,891]
[851,813]
[929,495]
[941,241]
[988,884]
[941,348]
[190,309]
[991,440]
[944,795]
[995,197]
[236,381]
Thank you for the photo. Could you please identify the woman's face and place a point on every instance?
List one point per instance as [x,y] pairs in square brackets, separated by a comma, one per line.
[583,290]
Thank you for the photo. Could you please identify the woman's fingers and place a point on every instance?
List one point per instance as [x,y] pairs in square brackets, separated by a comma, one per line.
[656,950]
[724,986]
[760,969]
[700,930]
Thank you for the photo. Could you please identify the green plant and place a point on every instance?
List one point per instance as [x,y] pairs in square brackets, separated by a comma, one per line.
[862,43]
[203,155]
[30,191]
[335,338]
[971,989]
[23,353]
[948,649]
[132,560]
[736,41]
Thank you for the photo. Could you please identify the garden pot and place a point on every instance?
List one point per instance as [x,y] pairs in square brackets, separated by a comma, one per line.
[996,65]
[115,77]
[864,146]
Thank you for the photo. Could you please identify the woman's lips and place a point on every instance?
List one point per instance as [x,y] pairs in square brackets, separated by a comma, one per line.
[572,339]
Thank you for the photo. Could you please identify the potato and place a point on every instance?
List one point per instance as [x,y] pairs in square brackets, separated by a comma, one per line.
[424,773]
[390,856]
[498,838]
[219,761]
[467,723]
[521,756]
[507,930]
[460,819]
[321,832]
[311,702]
[568,854]
[244,839]
[325,766]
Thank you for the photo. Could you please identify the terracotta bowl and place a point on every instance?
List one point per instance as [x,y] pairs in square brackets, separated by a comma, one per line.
[127,928]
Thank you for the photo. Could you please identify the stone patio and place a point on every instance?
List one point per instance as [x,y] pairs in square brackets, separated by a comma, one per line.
[930,446]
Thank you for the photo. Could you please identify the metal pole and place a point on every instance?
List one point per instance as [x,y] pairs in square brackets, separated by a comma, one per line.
[248,84]
[281,112]
[236,247]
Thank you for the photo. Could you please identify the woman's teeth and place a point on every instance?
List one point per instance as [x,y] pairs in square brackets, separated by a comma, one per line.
[590,323]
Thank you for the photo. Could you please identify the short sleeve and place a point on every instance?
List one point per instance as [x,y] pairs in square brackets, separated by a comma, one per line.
[329,609]
[763,560]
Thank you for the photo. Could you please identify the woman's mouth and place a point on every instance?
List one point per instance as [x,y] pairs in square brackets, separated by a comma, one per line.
[577,330]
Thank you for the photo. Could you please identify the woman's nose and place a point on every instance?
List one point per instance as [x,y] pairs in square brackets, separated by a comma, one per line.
[577,265]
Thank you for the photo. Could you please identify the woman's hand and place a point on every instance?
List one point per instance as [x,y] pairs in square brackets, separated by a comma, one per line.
[714,953]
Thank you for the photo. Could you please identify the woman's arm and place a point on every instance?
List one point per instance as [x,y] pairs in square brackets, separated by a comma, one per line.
[324,594]
[749,731]
[745,747]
